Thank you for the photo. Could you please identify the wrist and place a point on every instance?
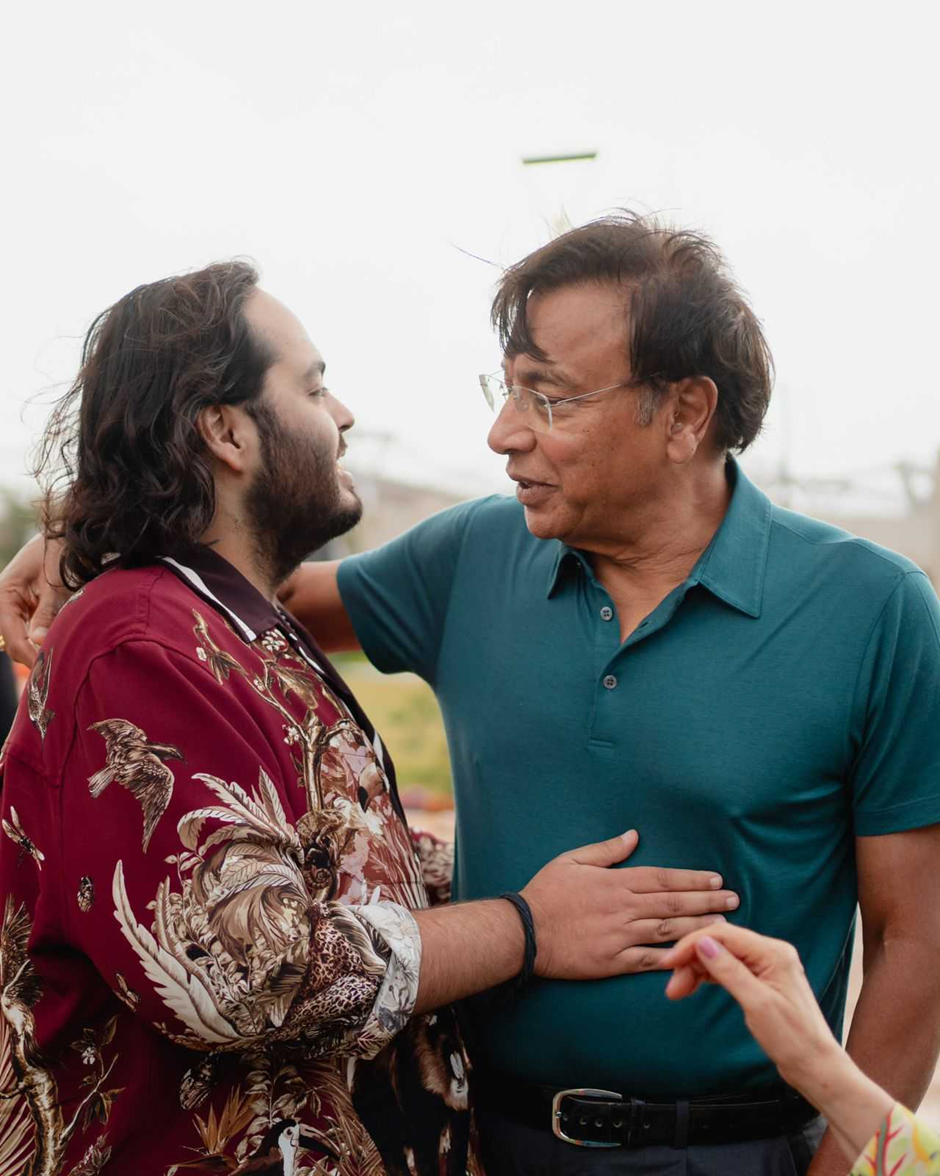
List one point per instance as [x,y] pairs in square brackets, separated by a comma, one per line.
[530,945]
[541,931]
[852,1103]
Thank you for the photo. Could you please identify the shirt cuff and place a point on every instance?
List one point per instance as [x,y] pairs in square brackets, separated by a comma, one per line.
[395,934]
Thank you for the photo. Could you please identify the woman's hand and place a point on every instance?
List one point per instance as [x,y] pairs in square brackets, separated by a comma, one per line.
[30,596]
[767,980]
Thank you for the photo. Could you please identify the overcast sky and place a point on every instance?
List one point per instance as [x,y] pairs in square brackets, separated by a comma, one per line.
[360,152]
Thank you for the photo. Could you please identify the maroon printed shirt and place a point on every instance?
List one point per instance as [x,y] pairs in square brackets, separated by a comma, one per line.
[207,960]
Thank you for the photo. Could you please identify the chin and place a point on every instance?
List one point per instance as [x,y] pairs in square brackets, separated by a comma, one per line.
[351,505]
[542,526]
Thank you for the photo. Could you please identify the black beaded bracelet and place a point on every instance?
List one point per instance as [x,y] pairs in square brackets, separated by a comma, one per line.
[531,947]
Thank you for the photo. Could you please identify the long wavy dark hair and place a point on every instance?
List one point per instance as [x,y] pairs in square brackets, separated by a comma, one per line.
[122,462]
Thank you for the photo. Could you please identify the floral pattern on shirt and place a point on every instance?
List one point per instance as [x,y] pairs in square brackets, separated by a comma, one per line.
[900,1147]
[202,838]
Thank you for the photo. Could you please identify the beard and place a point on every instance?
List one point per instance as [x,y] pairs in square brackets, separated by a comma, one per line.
[295,504]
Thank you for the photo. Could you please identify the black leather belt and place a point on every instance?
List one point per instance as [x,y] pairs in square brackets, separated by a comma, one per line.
[589,1117]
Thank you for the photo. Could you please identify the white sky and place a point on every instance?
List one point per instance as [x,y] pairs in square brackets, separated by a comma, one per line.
[351,149]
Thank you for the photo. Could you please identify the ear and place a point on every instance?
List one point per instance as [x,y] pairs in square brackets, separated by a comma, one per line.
[230,434]
[689,411]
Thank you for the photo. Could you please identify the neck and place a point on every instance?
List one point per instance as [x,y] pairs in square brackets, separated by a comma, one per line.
[232,538]
[665,537]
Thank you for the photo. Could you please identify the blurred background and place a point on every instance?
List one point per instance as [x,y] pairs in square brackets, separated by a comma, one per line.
[381,164]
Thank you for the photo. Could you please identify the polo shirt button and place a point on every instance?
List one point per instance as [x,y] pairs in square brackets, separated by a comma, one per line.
[610,682]
[607,613]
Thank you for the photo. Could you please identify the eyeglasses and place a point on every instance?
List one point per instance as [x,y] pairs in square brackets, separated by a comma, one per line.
[540,412]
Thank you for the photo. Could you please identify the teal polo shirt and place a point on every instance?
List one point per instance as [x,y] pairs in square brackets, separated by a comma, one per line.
[782,701]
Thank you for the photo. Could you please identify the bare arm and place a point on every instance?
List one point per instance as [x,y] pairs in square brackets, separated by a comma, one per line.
[766,978]
[312,595]
[895,1034]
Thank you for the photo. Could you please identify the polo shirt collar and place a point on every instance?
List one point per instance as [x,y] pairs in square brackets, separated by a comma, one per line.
[732,566]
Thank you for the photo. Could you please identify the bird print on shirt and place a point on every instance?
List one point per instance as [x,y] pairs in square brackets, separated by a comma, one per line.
[37,693]
[137,765]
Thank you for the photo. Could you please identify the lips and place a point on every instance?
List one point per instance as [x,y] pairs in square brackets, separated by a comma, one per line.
[344,474]
[531,493]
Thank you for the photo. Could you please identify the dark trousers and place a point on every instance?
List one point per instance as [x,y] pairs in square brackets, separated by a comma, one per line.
[511,1148]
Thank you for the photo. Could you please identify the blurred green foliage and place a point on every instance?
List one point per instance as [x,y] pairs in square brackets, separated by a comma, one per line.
[404,711]
[17,524]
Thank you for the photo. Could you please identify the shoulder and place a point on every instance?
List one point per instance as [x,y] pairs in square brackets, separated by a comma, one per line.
[141,622]
[490,516]
[436,544]
[120,606]
[817,548]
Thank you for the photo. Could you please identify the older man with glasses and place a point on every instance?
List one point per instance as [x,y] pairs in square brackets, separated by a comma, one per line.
[641,638]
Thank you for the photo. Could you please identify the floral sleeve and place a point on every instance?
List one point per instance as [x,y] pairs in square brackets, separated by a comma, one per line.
[437,864]
[900,1147]
[216,902]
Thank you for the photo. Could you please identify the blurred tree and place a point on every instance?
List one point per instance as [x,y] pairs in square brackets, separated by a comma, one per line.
[18,522]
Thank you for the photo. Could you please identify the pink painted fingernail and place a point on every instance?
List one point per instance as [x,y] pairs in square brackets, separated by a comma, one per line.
[708,947]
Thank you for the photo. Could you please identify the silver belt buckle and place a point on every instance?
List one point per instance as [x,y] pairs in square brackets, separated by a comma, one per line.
[578,1091]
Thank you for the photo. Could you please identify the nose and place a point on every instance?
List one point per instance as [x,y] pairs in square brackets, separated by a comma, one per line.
[509,433]
[342,416]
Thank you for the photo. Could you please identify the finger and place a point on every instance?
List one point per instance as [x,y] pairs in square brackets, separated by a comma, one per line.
[50,601]
[679,904]
[652,879]
[13,626]
[606,853]
[684,981]
[758,951]
[728,971]
[638,959]
[669,930]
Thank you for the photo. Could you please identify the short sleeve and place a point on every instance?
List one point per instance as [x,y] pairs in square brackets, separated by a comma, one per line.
[895,776]
[397,596]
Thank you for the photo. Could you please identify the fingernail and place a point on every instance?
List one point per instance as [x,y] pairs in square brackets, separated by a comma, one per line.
[630,833]
[38,636]
[715,882]
[719,919]
[708,947]
[732,903]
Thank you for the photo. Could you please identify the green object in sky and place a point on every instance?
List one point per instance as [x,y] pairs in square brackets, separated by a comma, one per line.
[527,160]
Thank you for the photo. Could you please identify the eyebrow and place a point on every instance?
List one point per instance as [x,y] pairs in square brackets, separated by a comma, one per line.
[318,368]
[547,375]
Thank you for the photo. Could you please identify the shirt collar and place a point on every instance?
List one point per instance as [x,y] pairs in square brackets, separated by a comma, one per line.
[213,577]
[732,566]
